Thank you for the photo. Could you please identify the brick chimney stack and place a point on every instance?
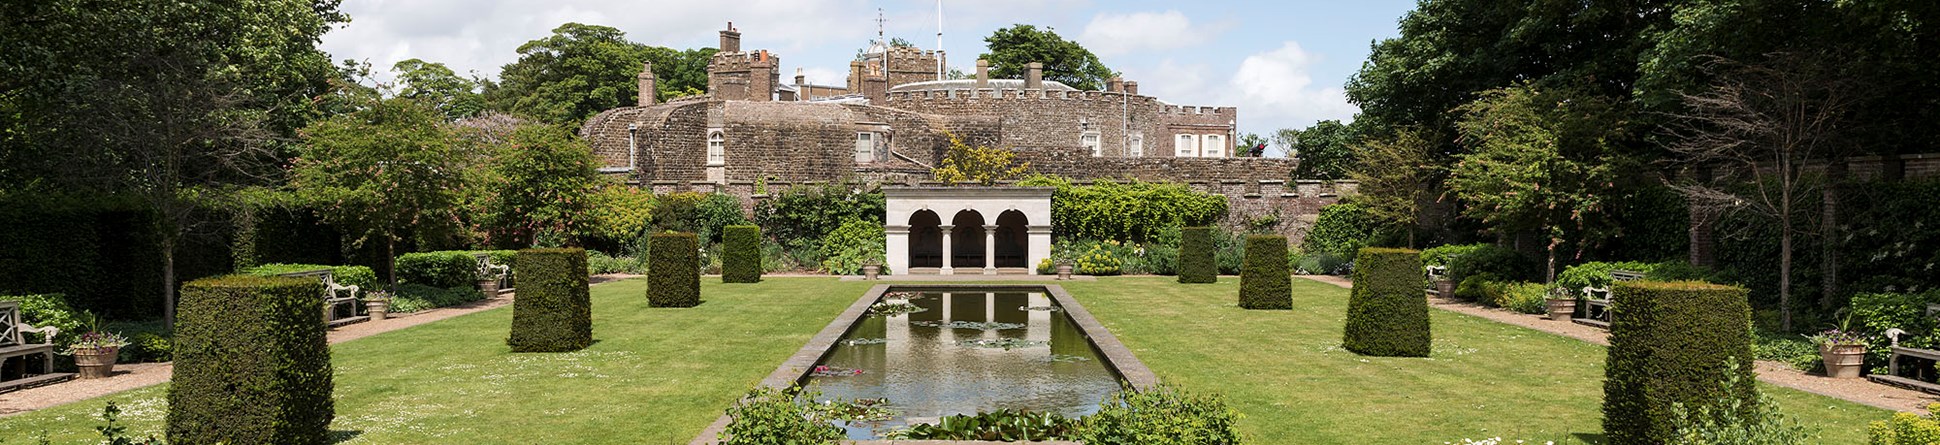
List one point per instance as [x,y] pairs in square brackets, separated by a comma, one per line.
[646,84]
[1034,76]
[1131,87]
[1115,85]
[875,87]
[730,39]
[983,74]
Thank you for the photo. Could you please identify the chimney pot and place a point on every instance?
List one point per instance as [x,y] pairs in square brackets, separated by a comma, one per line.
[1034,76]
[983,74]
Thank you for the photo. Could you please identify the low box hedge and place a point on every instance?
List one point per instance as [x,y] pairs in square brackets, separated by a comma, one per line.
[673,270]
[1387,313]
[1671,343]
[1264,281]
[554,308]
[1198,263]
[741,254]
[251,363]
[448,268]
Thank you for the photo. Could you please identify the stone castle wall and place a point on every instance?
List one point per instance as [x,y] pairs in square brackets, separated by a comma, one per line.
[1053,118]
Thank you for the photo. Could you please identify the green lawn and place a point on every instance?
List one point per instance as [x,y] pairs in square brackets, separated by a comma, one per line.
[660,375]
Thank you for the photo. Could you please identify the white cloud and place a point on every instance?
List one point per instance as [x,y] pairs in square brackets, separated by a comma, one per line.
[1276,88]
[1115,34]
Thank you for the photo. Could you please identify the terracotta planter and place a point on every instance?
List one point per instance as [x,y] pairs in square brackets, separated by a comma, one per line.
[1561,309]
[489,287]
[1843,361]
[1064,271]
[96,363]
[1445,288]
[870,271]
[378,309]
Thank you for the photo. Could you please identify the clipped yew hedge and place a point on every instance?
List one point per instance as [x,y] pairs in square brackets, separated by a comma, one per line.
[673,271]
[554,310]
[1197,261]
[1387,312]
[741,254]
[1673,342]
[251,363]
[1264,281]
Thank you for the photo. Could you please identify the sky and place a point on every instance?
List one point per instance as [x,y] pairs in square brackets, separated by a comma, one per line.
[1283,63]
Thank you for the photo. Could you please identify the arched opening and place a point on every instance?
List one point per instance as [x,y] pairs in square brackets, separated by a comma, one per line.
[1013,241]
[925,239]
[966,240]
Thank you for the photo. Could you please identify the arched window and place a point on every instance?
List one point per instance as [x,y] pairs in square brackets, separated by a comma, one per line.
[716,147]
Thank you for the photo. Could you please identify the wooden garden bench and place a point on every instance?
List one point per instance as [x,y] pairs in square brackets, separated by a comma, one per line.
[1435,274]
[1596,300]
[14,345]
[340,302]
[1892,375]
[495,272]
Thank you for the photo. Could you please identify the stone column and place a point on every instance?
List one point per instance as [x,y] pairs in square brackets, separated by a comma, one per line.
[949,237]
[1037,246]
[896,250]
[990,249]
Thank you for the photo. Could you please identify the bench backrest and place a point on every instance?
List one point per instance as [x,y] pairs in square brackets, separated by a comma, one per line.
[1625,275]
[328,278]
[487,269]
[10,322]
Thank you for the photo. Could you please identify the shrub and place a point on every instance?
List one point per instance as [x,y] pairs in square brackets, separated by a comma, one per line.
[1907,428]
[673,274]
[1527,298]
[1133,211]
[1197,261]
[1443,254]
[1323,264]
[1155,259]
[1004,425]
[1479,288]
[767,416]
[1875,312]
[1341,230]
[849,246]
[148,347]
[1162,414]
[1671,343]
[449,268]
[251,363]
[803,215]
[49,310]
[1737,422]
[1100,258]
[1229,251]
[1501,261]
[1597,274]
[417,297]
[741,254]
[1387,313]
[554,310]
[1791,349]
[1264,282]
[599,263]
[359,276]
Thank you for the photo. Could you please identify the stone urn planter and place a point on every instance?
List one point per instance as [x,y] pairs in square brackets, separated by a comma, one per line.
[1561,309]
[1064,271]
[96,363]
[489,286]
[1445,288]
[378,308]
[870,271]
[1843,361]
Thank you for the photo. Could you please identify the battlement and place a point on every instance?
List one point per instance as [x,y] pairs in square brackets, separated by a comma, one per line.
[743,61]
[1193,110]
[935,96]
[910,53]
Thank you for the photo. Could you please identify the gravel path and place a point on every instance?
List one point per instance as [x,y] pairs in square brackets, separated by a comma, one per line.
[140,375]
[1859,391]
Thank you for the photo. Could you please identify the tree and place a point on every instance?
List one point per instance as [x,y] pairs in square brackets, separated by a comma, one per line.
[1013,48]
[382,172]
[541,180]
[1763,122]
[171,103]
[439,88]
[1244,146]
[1284,140]
[1393,176]
[1540,160]
[581,70]
[983,165]
[1324,151]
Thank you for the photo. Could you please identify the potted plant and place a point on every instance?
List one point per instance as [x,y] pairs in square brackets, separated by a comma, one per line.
[378,305]
[488,283]
[1064,270]
[1561,304]
[1844,352]
[94,351]
[870,270]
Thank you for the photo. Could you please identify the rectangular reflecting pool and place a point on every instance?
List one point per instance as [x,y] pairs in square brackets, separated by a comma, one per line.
[961,351]
[930,351]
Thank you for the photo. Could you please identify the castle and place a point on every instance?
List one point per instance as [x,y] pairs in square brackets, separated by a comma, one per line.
[893,120]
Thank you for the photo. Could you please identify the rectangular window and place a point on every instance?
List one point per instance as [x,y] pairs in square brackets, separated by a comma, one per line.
[1186,147]
[716,148]
[1136,146]
[1089,140]
[865,147]
[1214,147]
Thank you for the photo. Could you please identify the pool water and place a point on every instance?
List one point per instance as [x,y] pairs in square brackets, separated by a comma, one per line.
[924,368]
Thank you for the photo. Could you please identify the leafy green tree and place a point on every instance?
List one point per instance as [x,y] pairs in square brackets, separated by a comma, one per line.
[1244,146]
[581,70]
[982,165]
[1393,178]
[1324,151]
[1013,48]
[1541,161]
[438,87]
[540,180]
[386,171]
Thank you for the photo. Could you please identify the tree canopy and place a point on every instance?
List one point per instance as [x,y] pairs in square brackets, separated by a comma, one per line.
[1324,150]
[1013,49]
[581,70]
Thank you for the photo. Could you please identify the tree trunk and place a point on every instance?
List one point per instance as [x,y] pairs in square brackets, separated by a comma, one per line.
[1785,264]
[390,260]
[1829,237]
[1549,270]
[168,282]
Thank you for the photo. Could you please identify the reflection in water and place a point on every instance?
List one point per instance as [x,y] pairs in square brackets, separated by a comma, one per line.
[926,374]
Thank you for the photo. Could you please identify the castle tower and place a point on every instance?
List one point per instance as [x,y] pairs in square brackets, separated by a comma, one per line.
[737,75]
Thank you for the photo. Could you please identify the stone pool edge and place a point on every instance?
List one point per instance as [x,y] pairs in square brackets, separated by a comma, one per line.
[792,370]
